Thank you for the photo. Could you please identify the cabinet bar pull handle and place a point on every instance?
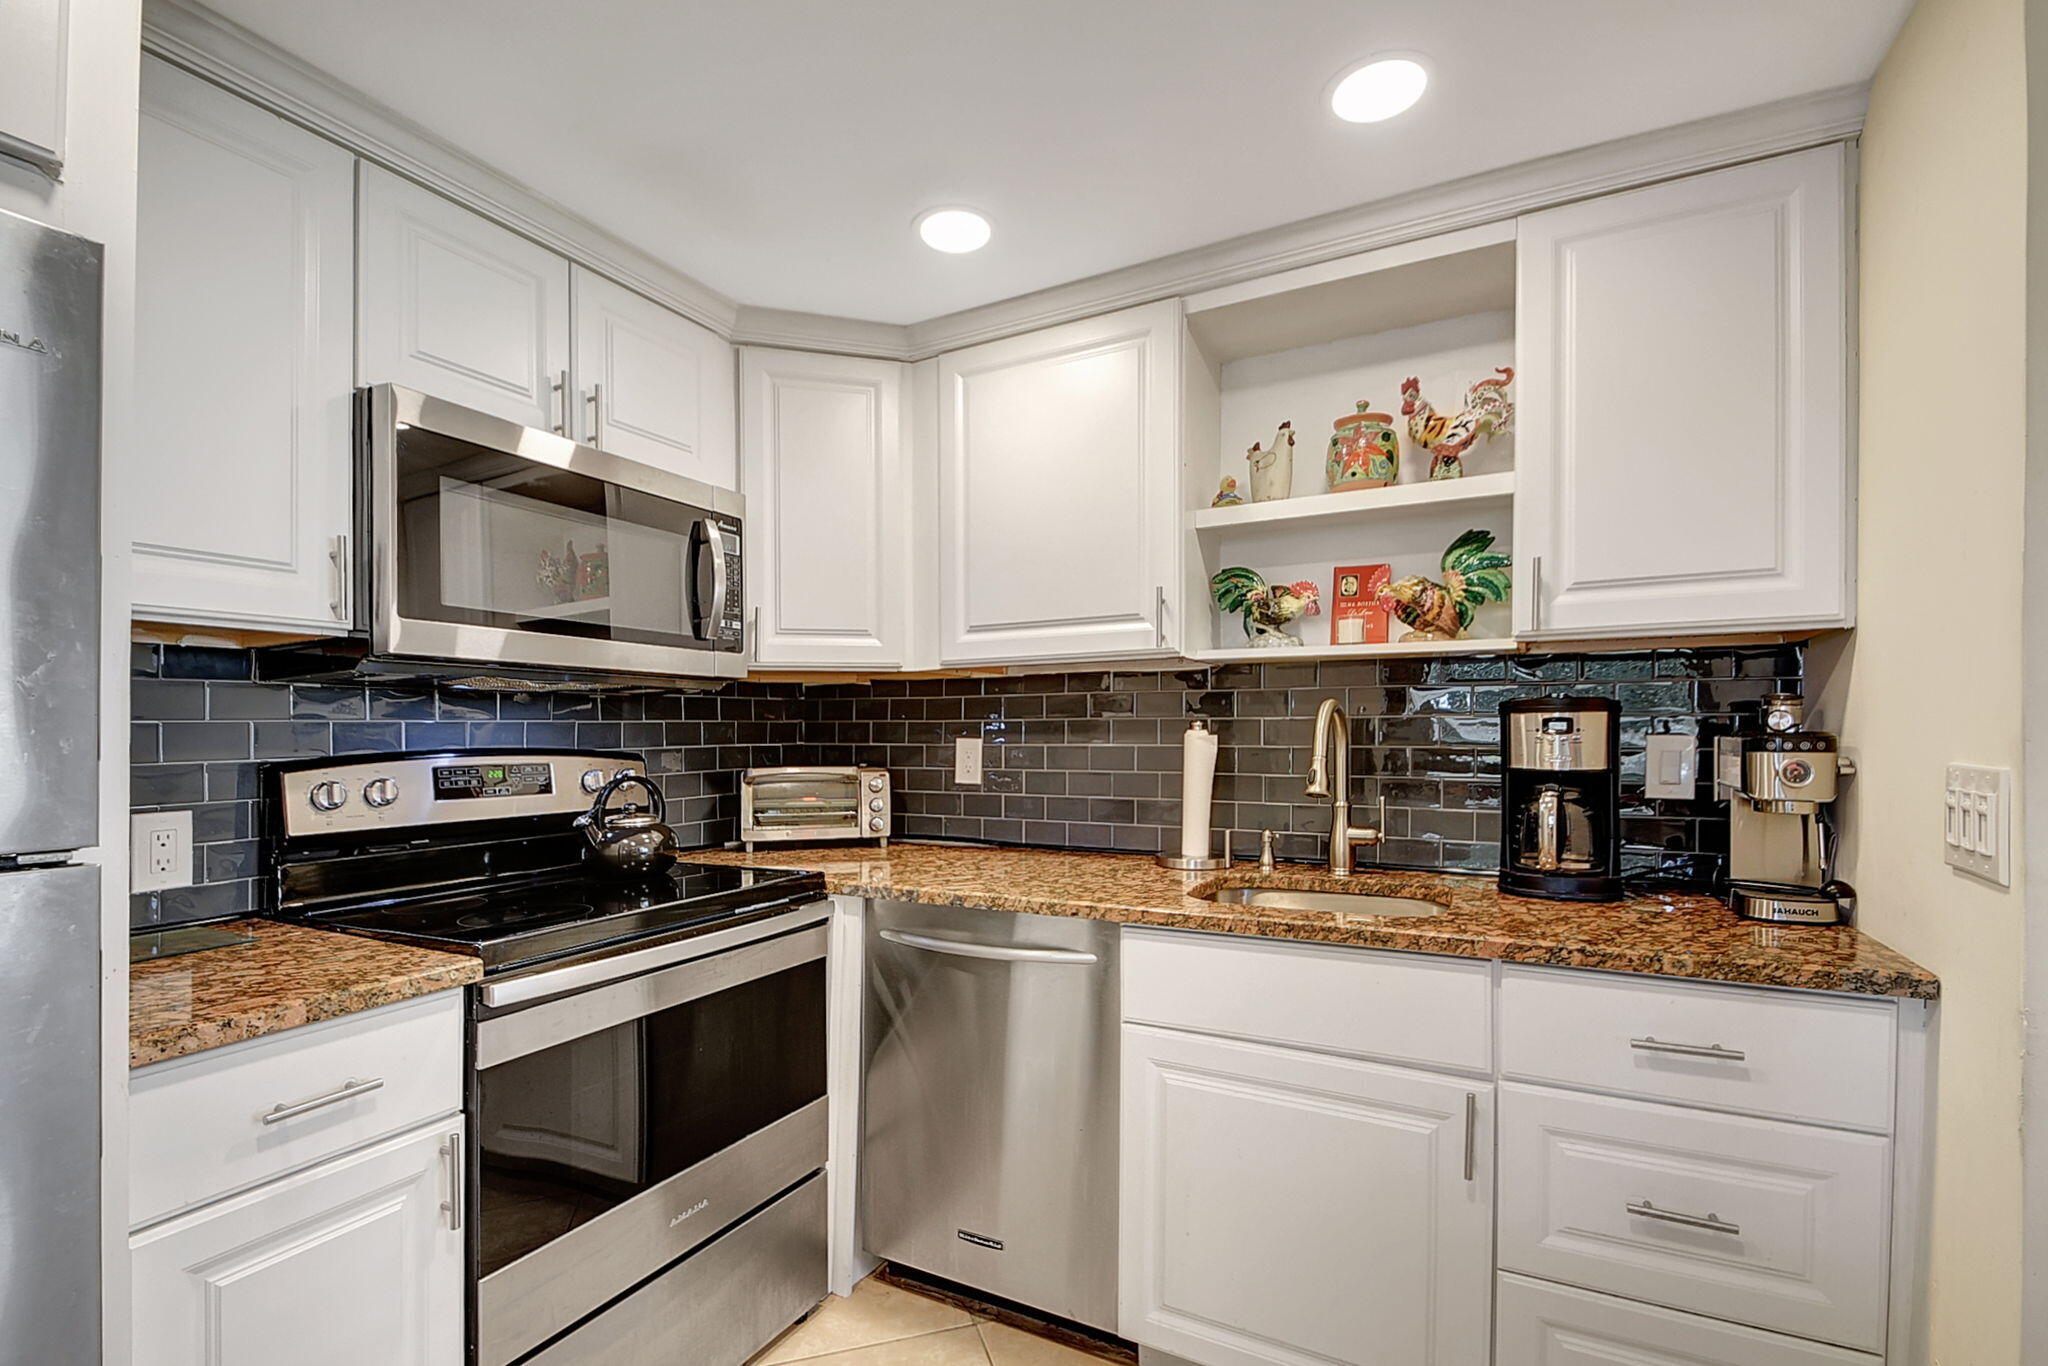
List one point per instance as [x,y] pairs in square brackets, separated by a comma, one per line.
[1159,616]
[596,401]
[1471,1133]
[348,1090]
[451,1153]
[1712,1223]
[1688,1050]
[558,403]
[337,556]
[1535,592]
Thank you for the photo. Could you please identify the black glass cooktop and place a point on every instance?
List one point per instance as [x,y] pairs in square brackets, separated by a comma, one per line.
[517,923]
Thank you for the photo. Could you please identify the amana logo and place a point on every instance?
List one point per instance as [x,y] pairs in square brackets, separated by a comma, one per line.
[35,344]
[697,1208]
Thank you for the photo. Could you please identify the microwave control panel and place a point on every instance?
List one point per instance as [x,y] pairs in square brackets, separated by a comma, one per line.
[731,625]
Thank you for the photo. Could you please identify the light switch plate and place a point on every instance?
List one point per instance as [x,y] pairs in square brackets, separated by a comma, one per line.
[1671,766]
[159,850]
[967,762]
[1976,831]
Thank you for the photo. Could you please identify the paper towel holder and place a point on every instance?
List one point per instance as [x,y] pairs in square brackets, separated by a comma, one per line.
[1192,865]
[1206,864]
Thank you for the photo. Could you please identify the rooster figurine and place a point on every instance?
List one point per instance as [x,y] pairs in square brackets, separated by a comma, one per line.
[1265,607]
[1487,413]
[1474,572]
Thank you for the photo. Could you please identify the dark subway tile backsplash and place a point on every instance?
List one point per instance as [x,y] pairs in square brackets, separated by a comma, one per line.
[1080,760]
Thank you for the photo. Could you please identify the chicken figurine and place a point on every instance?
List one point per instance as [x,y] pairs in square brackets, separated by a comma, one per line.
[1487,413]
[1474,572]
[1265,607]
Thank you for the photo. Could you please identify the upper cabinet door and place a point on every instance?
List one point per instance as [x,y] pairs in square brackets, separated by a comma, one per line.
[1682,460]
[243,362]
[828,503]
[455,306]
[1059,492]
[33,37]
[651,385]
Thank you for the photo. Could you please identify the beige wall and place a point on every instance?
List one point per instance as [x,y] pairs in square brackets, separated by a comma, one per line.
[1943,427]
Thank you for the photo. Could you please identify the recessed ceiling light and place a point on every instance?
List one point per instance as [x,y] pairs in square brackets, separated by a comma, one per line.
[1379,90]
[953,230]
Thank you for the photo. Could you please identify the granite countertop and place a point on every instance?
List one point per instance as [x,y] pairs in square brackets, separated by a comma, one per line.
[1667,934]
[290,976]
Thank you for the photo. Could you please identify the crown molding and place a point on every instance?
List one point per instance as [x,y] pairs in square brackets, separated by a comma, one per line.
[1625,163]
[794,331]
[230,56]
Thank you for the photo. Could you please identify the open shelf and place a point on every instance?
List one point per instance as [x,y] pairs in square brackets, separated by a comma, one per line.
[1243,654]
[1360,504]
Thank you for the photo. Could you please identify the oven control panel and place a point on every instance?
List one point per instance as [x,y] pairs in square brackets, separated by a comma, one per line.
[461,781]
[389,792]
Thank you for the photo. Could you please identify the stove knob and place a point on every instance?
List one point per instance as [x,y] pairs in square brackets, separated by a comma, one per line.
[593,779]
[874,784]
[380,792]
[876,822]
[328,796]
[874,803]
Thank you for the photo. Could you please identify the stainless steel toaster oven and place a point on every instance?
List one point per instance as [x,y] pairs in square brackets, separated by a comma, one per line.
[785,805]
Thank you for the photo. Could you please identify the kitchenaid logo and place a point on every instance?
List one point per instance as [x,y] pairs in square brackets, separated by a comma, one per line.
[697,1208]
[980,1240]
[35,344]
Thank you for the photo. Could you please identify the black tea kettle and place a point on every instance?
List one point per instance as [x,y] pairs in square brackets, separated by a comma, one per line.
[629,842]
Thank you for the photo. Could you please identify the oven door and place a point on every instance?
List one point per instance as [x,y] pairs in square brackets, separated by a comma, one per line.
[621,1124]
[799,803]
[498,544]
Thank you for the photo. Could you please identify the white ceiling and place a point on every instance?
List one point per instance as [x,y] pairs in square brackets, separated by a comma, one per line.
[779,150]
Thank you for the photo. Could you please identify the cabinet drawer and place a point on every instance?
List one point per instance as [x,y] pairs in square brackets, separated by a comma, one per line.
[1764,1223]
[1555,1325]
[197,1127]
[1405,1007]
[1790,1055]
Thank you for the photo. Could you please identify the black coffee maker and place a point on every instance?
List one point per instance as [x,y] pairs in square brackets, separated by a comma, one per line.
[1560,834]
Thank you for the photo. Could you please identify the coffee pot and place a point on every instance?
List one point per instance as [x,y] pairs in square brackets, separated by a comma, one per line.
[1560,822]
[632,841]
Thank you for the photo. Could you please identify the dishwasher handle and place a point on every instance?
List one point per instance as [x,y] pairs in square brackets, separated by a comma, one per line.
[999,953]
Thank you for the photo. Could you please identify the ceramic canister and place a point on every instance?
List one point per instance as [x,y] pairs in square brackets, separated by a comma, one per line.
[1365,452]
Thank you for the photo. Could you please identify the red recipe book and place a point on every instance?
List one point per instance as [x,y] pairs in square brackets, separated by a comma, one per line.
[1356,617]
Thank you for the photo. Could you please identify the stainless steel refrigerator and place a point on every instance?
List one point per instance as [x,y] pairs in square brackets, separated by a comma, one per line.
[49,784]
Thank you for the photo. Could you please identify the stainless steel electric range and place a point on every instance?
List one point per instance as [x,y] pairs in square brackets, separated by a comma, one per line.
[647,1058]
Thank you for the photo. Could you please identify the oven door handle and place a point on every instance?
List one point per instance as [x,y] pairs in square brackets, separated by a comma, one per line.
[799,775]
[997,953]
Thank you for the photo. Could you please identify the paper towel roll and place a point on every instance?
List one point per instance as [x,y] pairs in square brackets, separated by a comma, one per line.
[1197,788]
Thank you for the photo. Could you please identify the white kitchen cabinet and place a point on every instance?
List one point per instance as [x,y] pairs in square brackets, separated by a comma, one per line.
[458,307]
[828,509]
[1540,1324]
[1288,1207]
[1060,499]
[357,1260]
[1682,456]
[650,384]
[244,361]
[32,82]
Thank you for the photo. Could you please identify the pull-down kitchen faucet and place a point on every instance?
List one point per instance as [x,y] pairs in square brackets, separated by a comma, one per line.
[1329,775]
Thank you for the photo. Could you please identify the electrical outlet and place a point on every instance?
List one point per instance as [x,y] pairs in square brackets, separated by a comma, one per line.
[1976,829]
[159,850]
[967,762]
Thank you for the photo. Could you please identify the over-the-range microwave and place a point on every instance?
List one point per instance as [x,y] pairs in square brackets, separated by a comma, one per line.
[495,554]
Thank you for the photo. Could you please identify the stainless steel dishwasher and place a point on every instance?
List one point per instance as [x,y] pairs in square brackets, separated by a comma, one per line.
[988,1150]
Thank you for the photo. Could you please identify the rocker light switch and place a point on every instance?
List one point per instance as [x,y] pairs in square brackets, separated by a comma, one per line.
[1671,767]
[1976,827]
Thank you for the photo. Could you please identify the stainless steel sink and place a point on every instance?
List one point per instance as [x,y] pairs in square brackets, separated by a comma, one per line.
[1346,903]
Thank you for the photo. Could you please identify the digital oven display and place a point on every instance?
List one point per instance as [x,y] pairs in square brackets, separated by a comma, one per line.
[494,780]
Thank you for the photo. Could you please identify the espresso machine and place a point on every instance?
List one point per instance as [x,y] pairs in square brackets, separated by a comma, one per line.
[1778,779]
[1560,831]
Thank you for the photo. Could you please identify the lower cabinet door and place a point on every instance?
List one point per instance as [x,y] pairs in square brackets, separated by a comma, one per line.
[1290,1207]
[1554,1325]
[354,1261]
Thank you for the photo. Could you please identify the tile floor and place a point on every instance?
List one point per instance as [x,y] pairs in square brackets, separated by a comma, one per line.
[881,1324]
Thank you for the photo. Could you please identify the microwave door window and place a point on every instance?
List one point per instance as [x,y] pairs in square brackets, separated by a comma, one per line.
[490,539]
